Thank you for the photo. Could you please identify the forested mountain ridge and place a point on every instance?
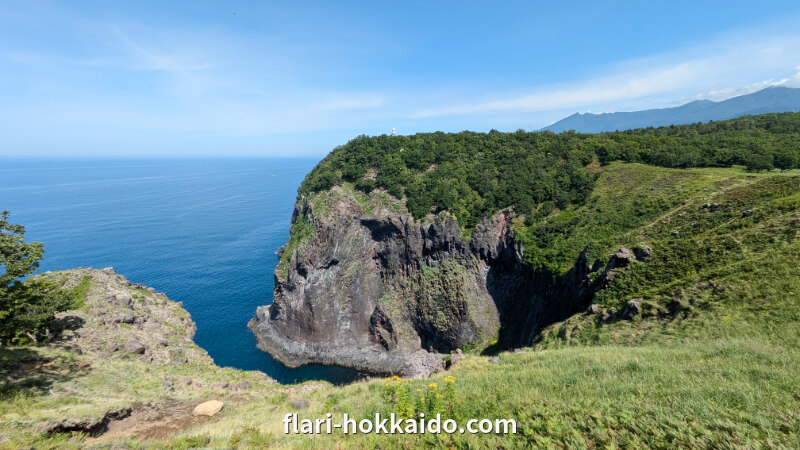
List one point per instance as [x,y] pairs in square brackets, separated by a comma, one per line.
[770,100]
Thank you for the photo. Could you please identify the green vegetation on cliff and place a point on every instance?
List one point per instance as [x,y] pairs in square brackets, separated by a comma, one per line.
[708,362]
[476,174]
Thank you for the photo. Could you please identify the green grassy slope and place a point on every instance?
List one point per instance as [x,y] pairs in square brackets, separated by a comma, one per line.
[709,363]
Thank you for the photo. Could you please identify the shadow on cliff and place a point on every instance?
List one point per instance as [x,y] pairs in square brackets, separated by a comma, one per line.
[529,300]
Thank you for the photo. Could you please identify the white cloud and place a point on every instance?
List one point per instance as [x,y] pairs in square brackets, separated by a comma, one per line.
[717,71]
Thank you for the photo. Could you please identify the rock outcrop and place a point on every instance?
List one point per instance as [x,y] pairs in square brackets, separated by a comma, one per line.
[371,288]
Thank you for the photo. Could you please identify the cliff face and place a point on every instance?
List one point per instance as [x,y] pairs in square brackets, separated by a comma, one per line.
[369,287]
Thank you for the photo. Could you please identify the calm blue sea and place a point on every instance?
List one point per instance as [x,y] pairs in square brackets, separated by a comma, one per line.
[205,232]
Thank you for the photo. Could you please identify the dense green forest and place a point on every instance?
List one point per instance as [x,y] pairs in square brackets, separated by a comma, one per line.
[476,174]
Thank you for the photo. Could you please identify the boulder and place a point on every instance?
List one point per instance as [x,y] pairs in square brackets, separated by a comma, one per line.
[109,271]
[300,404]
[421,364]
[623,257]
[134,347]
[632,308]
[242,386]
[593,309]
[219,385]
[642,252]
[125,318]
[208,408]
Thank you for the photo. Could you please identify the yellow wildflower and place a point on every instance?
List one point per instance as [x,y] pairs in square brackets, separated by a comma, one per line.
[432,385]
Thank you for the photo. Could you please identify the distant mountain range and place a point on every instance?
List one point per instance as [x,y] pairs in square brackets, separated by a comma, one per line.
[769,100]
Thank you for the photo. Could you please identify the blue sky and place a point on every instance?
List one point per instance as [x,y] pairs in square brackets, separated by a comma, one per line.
[235,78]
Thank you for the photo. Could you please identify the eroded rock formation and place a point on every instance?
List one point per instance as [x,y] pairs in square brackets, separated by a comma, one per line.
[373,289]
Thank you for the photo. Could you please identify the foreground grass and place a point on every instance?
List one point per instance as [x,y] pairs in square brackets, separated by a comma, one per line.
[710,363]
[728,393]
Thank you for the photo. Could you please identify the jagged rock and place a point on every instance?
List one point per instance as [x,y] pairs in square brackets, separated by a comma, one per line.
[125,318]
[632,308]
[109,271]
[642,252]
[242,386]
[341,297]
[593,309]
[300,404]
[151,290]
[494,359]
[208,408]
[219,385]
[421,364]
[134,347]
[623,257]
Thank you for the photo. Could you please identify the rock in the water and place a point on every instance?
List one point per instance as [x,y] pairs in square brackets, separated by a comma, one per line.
[134,347]
[632,308]
[208,408]
[300,404]
[593,309]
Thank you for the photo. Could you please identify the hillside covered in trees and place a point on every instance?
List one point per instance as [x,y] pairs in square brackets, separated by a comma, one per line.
[475,174]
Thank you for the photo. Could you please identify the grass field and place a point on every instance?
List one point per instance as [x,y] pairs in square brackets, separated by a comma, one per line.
[710,363]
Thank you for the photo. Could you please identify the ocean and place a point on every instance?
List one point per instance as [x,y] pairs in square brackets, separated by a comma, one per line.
[205,232]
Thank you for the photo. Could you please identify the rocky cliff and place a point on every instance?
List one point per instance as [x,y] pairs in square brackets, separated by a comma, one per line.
[364,285]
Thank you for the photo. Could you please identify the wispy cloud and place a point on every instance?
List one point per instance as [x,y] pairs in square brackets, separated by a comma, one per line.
[673,75]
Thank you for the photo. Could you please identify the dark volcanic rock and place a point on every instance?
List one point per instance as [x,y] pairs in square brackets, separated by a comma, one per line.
[632,308]
[384,293]
[623,257]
